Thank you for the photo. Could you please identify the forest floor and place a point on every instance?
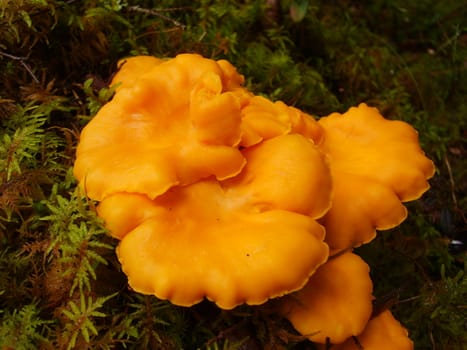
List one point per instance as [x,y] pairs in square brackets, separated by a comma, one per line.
[60,282]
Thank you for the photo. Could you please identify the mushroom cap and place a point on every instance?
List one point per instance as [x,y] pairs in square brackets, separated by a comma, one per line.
[172,125]
[232,241]
[131,69]
[376,164]
[382,332]
[286,172]
[263,119]
[336,303]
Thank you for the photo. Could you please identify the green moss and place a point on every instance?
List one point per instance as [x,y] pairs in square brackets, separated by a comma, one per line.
[60,283]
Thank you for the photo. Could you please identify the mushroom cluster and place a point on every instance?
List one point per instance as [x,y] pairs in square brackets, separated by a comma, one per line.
[217,193]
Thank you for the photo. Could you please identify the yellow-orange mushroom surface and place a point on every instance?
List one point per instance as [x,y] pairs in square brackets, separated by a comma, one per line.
[170,125]
[263,119]
[382,332]
[376,164]
[335,304]
[217,193]
[243,240]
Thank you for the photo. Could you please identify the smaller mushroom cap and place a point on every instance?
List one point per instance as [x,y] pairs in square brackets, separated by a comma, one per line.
[383,332]
[263,119]
[246,239]
[335,304]
[376,164]
[232,79]
[286,172]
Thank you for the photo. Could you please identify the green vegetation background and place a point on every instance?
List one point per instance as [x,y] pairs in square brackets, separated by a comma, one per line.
[60,283]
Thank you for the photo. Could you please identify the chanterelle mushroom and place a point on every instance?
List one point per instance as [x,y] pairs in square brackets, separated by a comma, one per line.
[376,164]
[335,304]
[383,332]
[217,193]
[247,239]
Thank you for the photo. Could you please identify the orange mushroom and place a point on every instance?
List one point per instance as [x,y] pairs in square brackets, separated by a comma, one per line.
[376,164]
[263,119]
[383,332]
[131,69]
[174,124]
[246,239]
[335,304]
[217,193]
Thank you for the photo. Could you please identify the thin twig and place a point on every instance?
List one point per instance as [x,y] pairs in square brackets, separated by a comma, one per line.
[21,60]
[16,58]
[157,13]
[157,32]
[409,299]
[432,340]
[451,181]
[29,71]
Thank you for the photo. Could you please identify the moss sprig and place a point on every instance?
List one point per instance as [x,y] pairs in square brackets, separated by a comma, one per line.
[23,329]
